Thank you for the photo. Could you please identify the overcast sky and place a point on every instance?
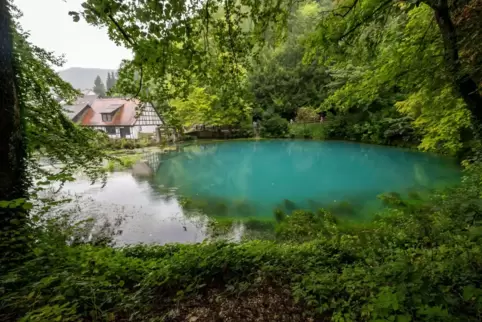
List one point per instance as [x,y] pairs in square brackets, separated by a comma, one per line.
[52,28]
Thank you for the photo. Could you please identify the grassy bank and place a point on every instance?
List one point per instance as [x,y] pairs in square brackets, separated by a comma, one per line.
[122,162]
[416,262]
[125,159]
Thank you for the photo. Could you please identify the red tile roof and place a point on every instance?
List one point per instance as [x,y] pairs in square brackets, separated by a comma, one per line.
[125,112]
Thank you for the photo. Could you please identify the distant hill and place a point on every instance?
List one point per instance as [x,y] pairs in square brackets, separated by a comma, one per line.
[83,78]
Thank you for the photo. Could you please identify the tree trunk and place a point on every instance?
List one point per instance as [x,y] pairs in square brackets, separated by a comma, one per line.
[464,84]
[12,142]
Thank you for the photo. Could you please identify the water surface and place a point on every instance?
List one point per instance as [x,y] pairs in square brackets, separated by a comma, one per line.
[256,177]
[252,178]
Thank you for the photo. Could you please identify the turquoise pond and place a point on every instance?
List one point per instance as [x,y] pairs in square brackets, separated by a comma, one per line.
[253,178]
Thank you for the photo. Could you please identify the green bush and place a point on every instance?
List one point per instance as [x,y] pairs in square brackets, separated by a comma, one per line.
[245,130]
[308,131]
[377,128]
[274,126]
[307,114]
[128,144]
[303,225]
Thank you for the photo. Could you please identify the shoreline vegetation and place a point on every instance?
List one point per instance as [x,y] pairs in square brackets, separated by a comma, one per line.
[124,158]
[298,265]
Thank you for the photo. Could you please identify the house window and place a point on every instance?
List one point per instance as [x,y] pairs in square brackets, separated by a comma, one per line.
[127,130]
[106,117]
[110,130]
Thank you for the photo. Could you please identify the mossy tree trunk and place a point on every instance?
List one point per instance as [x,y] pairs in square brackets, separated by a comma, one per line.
[12,142]
[464,84]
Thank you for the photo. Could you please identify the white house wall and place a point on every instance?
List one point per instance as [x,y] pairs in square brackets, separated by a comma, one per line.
[148,117]
[134,131]
[147,123]
[103,129]
[146,128]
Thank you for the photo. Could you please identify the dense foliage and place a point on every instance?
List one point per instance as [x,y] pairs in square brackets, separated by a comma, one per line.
[384,69]
[376,72]
[49,133]
[274,126]
[53,149]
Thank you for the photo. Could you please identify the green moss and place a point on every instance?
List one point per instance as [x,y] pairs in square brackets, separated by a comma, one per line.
[342,208]
[414,195]
[279,215]
[303,225]
[243,208]
[254,228]
[258,224]
[289,205]
[392,199]
[220,209]
[220,227]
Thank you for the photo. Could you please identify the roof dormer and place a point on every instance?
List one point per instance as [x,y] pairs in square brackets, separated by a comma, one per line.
[109,112]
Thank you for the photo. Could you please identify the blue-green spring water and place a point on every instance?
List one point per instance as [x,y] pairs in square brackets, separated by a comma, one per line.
[253,178]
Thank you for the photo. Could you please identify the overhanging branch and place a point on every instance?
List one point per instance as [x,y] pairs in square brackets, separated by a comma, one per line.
[128,39]
[365,20]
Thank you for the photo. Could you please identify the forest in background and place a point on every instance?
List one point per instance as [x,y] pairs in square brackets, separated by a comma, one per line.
[385,72]
[83,78]
[380,72]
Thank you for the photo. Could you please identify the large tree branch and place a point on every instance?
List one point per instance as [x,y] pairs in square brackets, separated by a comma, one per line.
[349,9]
[122,31]
[366,19]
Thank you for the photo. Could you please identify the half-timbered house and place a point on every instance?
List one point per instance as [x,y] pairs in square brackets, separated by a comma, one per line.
[119,118]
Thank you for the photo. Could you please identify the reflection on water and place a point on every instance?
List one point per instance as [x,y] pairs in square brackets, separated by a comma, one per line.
[147,216]
[251,179]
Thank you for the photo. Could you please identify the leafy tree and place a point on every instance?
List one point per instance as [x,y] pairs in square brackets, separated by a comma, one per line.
[99,87]
[108,82]
[35,127]
[279,80]
[111,80]
[391,51]
[202,108]
[186,47]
